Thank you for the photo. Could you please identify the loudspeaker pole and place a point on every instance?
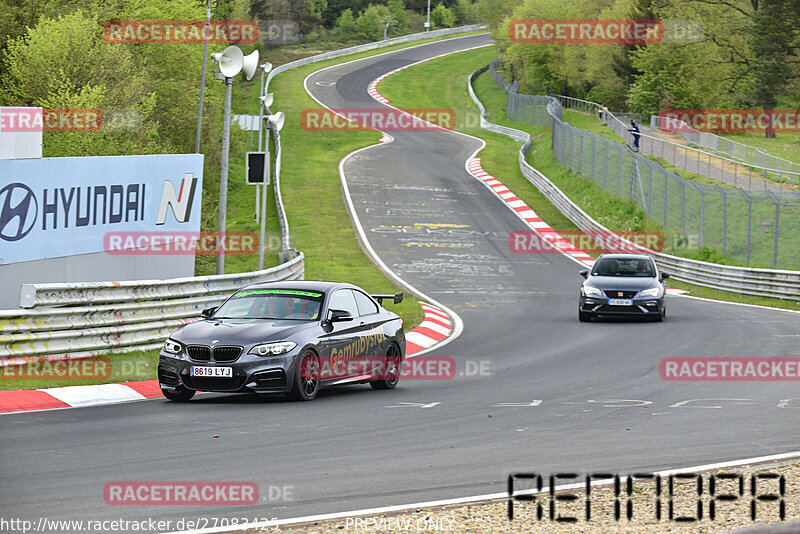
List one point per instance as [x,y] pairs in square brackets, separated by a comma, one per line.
[223,177]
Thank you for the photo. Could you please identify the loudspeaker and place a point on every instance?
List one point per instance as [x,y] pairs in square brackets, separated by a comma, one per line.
[231,61]
[250,64]
[277,120]
[267,99]
[266,67]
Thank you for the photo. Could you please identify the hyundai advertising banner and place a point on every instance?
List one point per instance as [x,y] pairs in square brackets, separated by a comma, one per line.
[54,207]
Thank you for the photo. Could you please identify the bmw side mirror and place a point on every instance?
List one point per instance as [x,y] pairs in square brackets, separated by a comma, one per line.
[340,315]
[584,273]
[664,276]
[208,312]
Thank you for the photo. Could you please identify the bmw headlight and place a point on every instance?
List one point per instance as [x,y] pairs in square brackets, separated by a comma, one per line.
[652,292]
[273,349]
[590,291]
[173,347]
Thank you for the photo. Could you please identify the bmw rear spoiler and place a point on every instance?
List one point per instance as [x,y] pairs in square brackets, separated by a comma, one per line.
[397,297]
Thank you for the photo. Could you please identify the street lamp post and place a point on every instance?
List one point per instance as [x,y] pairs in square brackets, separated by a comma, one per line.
[273,121]
[223,177]
[231,62]
[428,23]
[265,68]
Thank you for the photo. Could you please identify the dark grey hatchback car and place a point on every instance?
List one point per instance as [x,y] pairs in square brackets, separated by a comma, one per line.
[623,285]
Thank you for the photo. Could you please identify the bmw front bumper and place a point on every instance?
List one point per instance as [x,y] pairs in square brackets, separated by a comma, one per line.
[250,373]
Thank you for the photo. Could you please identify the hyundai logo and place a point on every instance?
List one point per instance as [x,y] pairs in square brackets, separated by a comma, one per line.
[18,210]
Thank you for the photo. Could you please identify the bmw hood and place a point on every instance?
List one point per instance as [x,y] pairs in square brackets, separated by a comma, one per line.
[238,331]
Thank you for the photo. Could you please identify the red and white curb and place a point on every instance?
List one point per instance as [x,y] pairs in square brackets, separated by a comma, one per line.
[77,396]
[434,328]
[534,221]
[372,88]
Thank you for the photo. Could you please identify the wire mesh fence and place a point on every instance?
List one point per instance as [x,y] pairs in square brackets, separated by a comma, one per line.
[733,149]
[758,228]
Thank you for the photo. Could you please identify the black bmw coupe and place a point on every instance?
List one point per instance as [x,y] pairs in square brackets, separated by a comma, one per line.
[286,337]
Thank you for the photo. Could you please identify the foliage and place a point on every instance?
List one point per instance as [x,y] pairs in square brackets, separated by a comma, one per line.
[442,17]
[346,22]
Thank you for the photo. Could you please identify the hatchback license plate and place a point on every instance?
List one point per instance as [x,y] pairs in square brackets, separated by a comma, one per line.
[212,372]
[620,302]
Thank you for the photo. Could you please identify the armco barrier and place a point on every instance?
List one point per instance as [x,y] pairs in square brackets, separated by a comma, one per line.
[81,318]
[744,280]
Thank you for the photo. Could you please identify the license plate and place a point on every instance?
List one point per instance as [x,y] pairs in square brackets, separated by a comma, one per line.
[620,302]
[212,372]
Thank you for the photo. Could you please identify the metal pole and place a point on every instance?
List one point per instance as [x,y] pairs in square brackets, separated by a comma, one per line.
[264,205]
[202,81]
[260,125]
[223,177]
[428,28]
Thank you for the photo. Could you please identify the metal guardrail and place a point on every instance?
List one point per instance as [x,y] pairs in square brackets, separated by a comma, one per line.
[743,280]
[147,311]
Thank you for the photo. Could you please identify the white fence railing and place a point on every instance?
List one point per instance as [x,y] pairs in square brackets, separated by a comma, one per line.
[84,318]
[744,280]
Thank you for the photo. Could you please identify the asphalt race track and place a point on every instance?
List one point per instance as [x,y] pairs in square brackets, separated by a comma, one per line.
[604,407]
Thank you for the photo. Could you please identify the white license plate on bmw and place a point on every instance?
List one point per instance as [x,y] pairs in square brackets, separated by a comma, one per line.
[620,302]
[211,372]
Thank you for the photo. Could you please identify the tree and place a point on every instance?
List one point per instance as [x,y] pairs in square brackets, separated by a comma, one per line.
[397,8]
[464,11]
[346,23]
[442,17]
[371,22]
[773,41]
[62,63]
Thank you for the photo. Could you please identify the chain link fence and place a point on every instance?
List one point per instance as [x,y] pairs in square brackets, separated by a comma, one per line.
[755,228]
[733,149]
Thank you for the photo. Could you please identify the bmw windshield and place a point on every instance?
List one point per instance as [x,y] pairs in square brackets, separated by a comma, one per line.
[642,267]
[282,304]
